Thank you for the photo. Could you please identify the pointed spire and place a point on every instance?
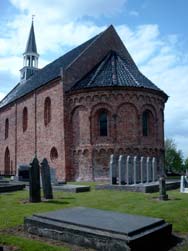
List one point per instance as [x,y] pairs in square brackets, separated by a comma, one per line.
[31,43]
[30,56]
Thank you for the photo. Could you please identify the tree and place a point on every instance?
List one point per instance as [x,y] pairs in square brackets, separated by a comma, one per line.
[173,157]
[186,164]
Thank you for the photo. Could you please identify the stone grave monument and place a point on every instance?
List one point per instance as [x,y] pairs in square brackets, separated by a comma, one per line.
[101,229]
[184,184]
[135,173]
[46,180]
[162,189]
[34,181]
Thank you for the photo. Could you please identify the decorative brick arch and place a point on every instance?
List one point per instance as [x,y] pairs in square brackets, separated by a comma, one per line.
[128,123]
[80,123]
[7,165]
[95,122]
[149,112]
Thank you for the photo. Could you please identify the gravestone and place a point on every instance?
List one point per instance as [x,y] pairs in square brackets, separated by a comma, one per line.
[34,181]
[46,180]
[130,171]
[142,170]
[162,189]
[23,173]
[184,184]
[154,169]
[113,169]
[53,176]
[122,169]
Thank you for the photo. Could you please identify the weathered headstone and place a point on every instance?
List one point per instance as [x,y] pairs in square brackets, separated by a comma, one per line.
[122,169]
[53,175]
[154,169]
[142,170]
[46,180]
[135,169]
[23,172]
[162,189]
[184,184]
[147,169]
[113,169]
[129,171]
[34,181]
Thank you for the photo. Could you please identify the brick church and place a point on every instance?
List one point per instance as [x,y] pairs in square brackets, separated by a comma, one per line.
[79,109]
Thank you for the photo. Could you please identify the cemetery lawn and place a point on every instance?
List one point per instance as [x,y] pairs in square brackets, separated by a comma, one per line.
[14,207]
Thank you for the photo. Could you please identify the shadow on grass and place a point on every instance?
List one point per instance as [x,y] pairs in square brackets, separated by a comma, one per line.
[57,202]
[169,199]
[66,198]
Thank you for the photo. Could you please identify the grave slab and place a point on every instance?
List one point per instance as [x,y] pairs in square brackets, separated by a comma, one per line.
[72,188]
[99,229]
[11,187]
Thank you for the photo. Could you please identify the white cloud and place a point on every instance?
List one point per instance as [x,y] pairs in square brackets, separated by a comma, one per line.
[134,13]
[67,10]
[2,95]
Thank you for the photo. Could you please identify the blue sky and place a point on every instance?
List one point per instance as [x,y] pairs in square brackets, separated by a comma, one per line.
[154,32]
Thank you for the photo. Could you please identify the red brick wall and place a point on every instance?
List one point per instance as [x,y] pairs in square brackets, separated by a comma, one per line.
[9,113]
[51,135]
[125,108]
[38,137]
[26,139]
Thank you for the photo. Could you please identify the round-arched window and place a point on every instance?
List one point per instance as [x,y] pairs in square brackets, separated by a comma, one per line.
[103,123]
[25,119]
[47,111]
[53,154]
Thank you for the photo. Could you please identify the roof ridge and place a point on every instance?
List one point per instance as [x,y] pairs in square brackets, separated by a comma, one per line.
[94,39]
[133,78]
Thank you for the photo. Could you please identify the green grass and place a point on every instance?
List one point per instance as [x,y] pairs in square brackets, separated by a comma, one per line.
[14,207]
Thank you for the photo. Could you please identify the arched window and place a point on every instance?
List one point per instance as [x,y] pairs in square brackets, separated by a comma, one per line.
[25,119]
[7,161]
[47,111]
[103,123]
[147,123]
[6,128]
[53,154]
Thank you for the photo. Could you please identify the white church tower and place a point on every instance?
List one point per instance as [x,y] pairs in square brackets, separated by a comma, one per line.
[30,57]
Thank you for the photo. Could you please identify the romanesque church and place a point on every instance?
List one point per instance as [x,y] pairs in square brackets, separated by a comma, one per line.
[79,109]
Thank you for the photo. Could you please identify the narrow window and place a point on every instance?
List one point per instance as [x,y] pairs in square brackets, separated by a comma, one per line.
[53,154]
[47,111]
[7,161]
[6,128]
[25,119]
[145,123]
[103,124]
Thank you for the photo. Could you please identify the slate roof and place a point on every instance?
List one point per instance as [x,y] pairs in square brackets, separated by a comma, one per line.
[31,43]
[114,71]
[46,74]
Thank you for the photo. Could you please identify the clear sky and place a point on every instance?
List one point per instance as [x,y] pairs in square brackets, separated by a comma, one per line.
[154,32]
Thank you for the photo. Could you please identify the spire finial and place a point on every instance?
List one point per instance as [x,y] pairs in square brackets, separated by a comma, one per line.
[33,16]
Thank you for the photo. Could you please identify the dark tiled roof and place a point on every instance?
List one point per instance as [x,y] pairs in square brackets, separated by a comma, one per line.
[44,75]
[114,71]
[31,43]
